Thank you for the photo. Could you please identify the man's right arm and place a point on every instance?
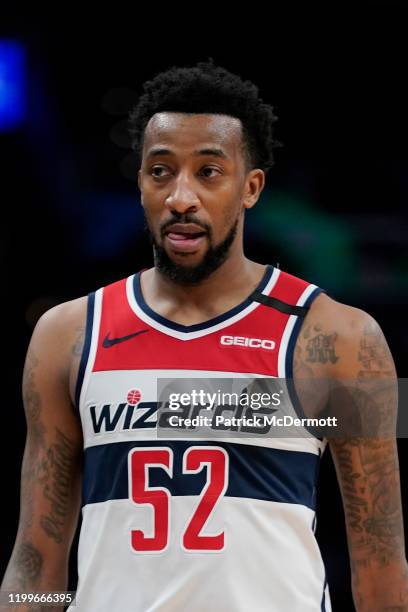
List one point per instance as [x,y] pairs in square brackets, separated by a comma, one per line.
[52,463]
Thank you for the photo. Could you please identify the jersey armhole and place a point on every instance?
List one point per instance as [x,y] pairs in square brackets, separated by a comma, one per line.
[90,309]
[289,360]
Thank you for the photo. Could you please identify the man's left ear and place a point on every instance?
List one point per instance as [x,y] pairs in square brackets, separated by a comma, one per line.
[254,185]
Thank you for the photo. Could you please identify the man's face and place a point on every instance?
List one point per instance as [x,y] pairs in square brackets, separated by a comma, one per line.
[193,183]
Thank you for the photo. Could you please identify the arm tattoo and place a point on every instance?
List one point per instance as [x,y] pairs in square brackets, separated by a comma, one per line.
[49,466]
[311,386]
[32,406]
[78,345]
[29,564]
[374,355]
[32,399]
[320,347]
[371,499]
[55,475]
[24,571]
[353,489]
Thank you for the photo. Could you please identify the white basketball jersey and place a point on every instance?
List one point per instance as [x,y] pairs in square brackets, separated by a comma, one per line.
[186,524]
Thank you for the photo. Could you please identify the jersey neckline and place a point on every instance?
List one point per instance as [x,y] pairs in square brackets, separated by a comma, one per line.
[232,312]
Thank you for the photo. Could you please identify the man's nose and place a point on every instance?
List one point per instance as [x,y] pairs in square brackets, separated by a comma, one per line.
[182,198]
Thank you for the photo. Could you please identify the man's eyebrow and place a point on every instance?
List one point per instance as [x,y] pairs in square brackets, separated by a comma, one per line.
[214,151]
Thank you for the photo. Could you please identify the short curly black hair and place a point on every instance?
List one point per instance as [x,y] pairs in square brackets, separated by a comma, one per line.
[206,88]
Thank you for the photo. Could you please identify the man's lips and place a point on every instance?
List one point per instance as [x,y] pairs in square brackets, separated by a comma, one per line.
[185,237]
[189,229]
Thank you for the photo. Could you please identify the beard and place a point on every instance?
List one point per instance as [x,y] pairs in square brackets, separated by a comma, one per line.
[214,257]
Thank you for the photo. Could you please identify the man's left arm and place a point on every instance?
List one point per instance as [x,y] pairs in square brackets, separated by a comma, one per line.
[367,463]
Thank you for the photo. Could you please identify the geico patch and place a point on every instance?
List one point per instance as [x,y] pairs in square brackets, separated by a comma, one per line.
[247,342]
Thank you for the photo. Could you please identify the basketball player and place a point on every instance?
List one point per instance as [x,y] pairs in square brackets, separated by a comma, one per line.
[214,524]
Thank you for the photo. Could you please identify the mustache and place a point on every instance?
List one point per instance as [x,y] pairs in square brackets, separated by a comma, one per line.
[185,218]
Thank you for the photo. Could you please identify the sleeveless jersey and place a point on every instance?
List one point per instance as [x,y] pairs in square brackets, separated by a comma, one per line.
[192,525]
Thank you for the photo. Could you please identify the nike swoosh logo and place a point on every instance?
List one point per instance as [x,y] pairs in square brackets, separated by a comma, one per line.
[108,342]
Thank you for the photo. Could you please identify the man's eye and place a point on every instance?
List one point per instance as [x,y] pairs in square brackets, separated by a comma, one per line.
[158,171]
[210,169]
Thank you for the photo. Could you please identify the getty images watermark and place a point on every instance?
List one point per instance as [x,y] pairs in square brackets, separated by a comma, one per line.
[233,407]
[276,407]
[241,411]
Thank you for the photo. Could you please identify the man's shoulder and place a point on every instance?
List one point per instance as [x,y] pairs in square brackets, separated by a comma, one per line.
[69,317]
[336,337]
[59,328]
[65,315]
[59,335]
[328,312]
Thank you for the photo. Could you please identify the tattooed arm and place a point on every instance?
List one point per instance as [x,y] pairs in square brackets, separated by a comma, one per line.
[345,347]
[51,469]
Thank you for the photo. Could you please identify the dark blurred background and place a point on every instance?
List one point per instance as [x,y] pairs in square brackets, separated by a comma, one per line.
[333,211]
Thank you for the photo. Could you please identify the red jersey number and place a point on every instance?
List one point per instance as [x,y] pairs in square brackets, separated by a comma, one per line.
[195,459]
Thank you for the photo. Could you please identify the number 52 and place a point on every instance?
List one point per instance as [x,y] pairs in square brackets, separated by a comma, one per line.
[195,458]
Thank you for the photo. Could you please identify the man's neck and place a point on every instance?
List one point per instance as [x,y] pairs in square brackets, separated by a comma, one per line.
[229,285]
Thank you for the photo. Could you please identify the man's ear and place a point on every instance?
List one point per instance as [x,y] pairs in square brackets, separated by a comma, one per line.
[139,182]
[254,184]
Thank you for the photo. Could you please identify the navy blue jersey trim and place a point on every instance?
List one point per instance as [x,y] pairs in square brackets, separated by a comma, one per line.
[255,472]
[86,347]
[289,360]
[315,488]
[197,326]
[323,604]
[316,479]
